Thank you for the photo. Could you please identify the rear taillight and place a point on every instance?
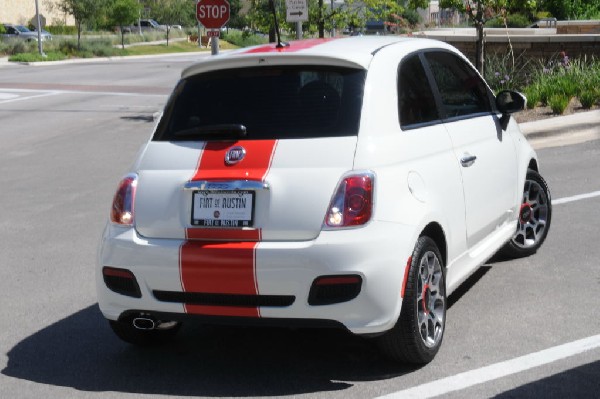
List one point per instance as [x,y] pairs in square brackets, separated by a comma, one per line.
[122,206]
[352,204]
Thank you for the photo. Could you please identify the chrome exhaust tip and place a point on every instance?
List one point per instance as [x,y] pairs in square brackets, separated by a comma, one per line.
[144,323]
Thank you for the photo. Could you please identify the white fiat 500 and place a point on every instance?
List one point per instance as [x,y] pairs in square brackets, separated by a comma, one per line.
[349,183]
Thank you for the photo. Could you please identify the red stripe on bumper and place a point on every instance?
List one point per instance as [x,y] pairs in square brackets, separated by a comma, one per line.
[223,268]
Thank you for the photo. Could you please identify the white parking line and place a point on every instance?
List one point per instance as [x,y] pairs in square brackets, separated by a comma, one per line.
[56,92]
[575,198]
[19,98]
[479,376]
[7,96]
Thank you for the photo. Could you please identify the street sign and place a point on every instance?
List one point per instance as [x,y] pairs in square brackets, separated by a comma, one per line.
[213,33]
[34,21]
[212,14]
[296,10]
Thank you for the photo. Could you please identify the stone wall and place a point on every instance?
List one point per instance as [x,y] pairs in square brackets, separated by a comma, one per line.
[535,47]
[533,43]
[22,11]
[578,27]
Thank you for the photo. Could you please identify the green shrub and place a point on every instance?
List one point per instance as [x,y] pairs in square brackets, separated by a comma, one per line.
[412,17]
[533,96]
[552,81]
[543,14]
[589,98]
[101,47]
[68,46]
[502,73]
[558,103]
[62,29]
[16,46]
[36,57]
[568,85]
[512,21]
[243,39]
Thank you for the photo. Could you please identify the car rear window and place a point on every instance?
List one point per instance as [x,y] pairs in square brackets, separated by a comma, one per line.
[265,103]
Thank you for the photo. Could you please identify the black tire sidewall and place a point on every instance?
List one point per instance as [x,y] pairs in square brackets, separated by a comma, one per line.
[512,249]
[408,320]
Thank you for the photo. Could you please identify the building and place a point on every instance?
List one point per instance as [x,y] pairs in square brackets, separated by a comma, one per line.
[23,11]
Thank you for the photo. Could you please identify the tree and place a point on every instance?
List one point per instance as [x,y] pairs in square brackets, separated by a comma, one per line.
[353,13]
[414,4]
[236,20]
[174,12]
[482,11]
[572,9]
[261,17]
[123,13]
[83,11]
[356,13]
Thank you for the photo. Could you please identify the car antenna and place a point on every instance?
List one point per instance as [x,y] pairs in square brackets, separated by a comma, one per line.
[280,44]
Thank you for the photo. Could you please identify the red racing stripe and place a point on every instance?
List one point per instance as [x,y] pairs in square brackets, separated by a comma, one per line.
[254,166]
[219,268]
[228,266]
[293,46]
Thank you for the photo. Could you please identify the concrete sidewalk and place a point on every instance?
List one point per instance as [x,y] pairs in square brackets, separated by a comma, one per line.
[563,130]
[589,120]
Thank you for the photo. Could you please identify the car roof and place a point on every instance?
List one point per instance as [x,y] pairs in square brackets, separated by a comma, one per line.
[355,51]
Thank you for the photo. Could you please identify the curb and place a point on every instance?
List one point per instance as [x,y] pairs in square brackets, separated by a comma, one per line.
[588,121]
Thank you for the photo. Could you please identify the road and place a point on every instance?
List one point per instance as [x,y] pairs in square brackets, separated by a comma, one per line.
[525,328]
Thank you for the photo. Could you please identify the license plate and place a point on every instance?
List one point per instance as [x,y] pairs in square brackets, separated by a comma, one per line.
[223,208]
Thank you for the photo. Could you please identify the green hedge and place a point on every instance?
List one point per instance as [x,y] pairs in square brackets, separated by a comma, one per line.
[62,29]
[512,21]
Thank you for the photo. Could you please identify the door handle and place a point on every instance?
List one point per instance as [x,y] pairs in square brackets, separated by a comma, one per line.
[467,160]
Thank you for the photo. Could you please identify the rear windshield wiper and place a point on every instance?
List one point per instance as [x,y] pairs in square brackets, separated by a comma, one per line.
[221,131]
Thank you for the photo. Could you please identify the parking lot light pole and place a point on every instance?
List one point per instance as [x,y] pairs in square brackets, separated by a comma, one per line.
[39,29]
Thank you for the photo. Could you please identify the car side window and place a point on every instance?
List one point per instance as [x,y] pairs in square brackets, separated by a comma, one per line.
[416,103]
[462,90]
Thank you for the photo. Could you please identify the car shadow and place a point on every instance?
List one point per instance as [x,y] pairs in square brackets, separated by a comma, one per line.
[139,118]
[578,382]
[469,283]
[81,352]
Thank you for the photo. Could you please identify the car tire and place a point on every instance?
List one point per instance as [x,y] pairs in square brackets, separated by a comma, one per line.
[534,220]
[158,336]
[418,333]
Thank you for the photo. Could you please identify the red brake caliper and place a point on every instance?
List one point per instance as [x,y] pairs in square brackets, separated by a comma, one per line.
[525,213]
[425,309]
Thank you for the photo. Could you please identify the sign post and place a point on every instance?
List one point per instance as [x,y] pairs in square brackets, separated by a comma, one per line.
[213,14]
[39,27]
[297,11]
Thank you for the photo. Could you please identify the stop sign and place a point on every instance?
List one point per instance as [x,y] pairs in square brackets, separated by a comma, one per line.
[212,14]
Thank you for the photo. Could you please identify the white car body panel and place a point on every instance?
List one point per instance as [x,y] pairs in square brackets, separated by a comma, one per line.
[485,181]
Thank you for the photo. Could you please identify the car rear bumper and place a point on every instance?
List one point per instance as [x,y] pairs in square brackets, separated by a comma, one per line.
[372,258]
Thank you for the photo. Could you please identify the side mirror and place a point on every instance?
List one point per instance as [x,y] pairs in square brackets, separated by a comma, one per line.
[509,102]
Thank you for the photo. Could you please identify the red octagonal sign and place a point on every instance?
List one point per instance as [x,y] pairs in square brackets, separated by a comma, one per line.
[212,14]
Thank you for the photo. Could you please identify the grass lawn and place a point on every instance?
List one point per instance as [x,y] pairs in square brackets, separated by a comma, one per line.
[173,47]
[109,50]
